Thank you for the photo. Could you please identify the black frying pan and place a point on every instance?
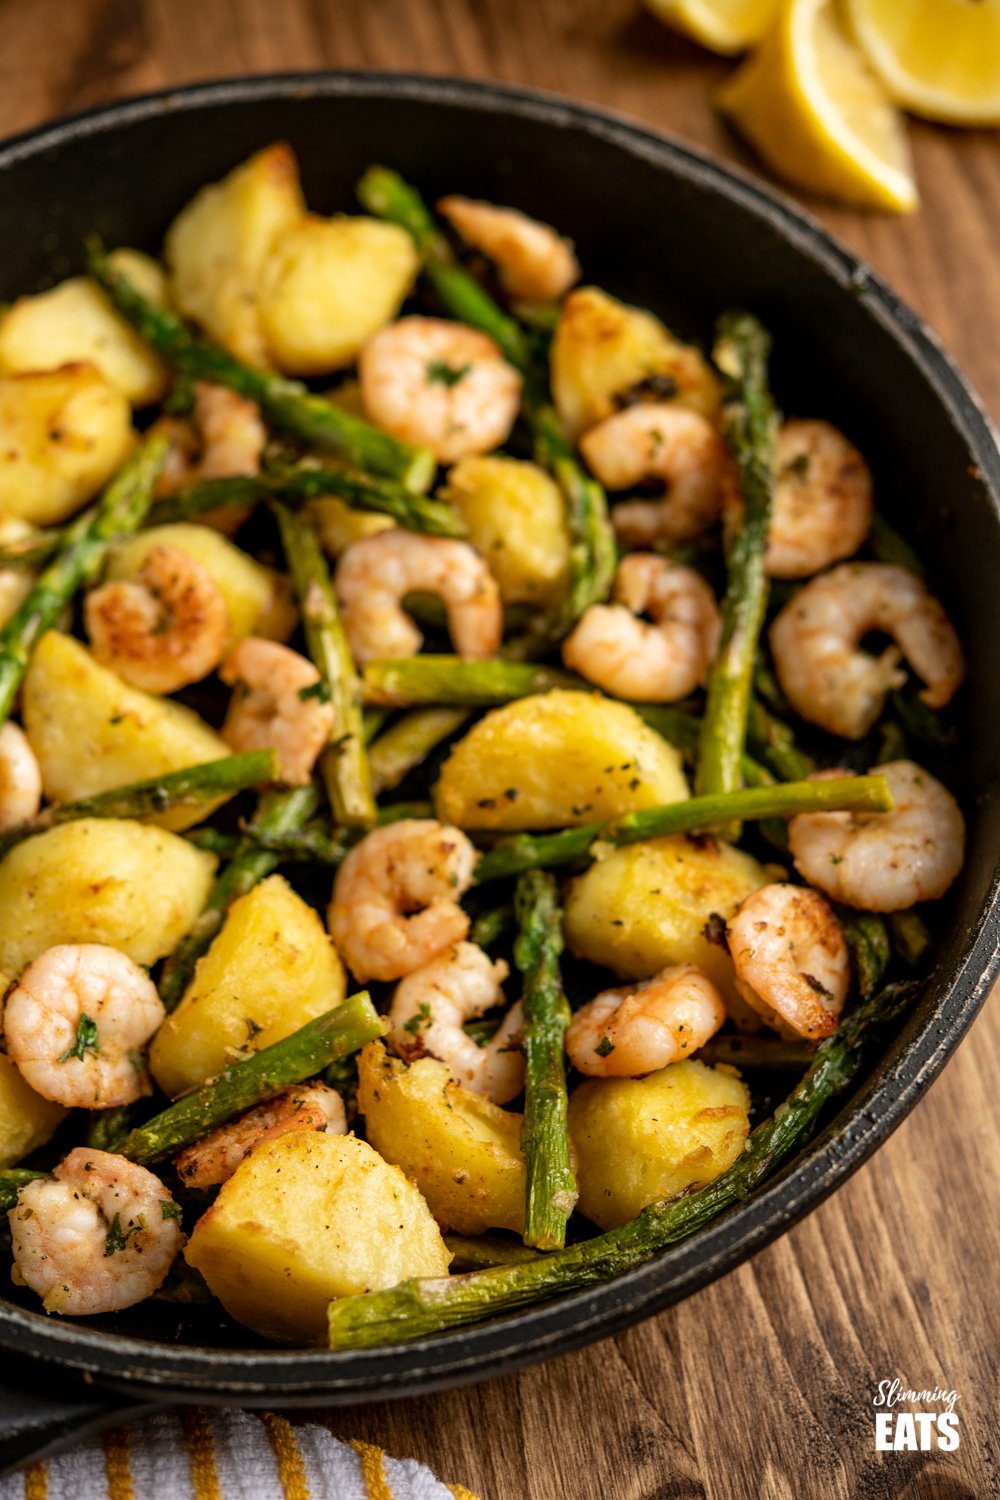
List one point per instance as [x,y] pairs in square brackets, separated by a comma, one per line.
[660,225]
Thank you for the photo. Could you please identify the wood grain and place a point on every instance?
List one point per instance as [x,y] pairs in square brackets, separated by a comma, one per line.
[758,1388]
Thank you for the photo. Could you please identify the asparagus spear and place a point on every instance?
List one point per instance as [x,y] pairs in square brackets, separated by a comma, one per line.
[317,844]
[550,1189]
[345,763]
[12,1180]
[910,937]
[453,679]
[408,742]
[773,742]
[334,1035]
[741,353]
[767,1053]
[191,787]
[528,851]
[889,547]
[475,1253]
[490,926]
[286,403]
[107,1128]
[421,1308]
[279,812]
[593,554]
[81,551]
[868,944]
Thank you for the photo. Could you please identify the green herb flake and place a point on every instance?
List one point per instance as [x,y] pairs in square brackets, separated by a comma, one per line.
[604,1047]
[318,690]
[117,1237]
[86,1040]
[440,372]
[170,1209]
[420,1020]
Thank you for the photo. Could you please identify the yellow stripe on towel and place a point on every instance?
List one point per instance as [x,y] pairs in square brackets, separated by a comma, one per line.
[372,1470]
[197,1430]
[291,1466]
[36,1482]
[116,1464]
[460,1492]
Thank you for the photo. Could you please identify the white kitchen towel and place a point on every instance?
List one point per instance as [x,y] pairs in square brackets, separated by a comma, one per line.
[194,1454]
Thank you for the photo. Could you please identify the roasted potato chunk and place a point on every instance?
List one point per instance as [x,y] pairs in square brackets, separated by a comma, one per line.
[558,759]
[648,905]
[305,1219]
[91,731]
[27,1120]
[100,880]
[75,323]
[63,433]
[603,349]
[462,1151]
[271,969]
[218,245]
[639,1140]
[328,285]
[258,599]
[338,525]
[517,519]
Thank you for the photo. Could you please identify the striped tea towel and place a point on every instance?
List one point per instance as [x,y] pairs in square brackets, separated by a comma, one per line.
[193,1454]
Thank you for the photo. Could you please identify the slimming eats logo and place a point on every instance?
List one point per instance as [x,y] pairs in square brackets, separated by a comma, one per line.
[905,1430]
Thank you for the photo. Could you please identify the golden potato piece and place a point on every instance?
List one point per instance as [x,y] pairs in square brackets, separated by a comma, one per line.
[75,323]
[462,1151]
[328,285]
[63,433]
[646,906]
[101,880]
[603,349]
[217,247]
[91,731]
[270,969]
[27,1120]
[517,519]
[556,760]
[305,1219]
[642,1139]
[338,525]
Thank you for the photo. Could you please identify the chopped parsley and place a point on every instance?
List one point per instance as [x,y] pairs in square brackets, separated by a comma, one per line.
[117,1237]
[169,1209]
[86,1040]
[420,1020]
[440,372]
[318,690]
[604,1047]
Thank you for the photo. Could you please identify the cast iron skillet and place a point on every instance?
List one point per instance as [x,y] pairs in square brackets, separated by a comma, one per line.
[660,225]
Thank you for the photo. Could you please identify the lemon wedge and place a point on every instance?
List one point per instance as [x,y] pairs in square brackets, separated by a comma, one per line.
[940,58]
[726,26]
[817,114]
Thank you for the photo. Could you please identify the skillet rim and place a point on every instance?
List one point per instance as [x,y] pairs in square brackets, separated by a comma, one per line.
[887,1094]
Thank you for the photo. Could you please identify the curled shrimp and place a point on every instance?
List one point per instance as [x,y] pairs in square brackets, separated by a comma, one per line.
[827,677]
[20,778]
[441,385]
[668,443]
[215,1158]
[791,960]
[660,662]
[225,441]
[76,1022]
[533,261]
[98,1235]
[164,629]
[432,1004]
[395,897]
[884,861]
[637,1029]
[375,573]
[271,708]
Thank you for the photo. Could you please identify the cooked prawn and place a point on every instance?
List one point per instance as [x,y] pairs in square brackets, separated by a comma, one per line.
[98,1235]
[662,662]
[822,508]
[375,573]
[271,708]
[226,440]
[432,1004]
[20,778]
[395,898]
[829,679]
[216,1156]
[441,385]
[791,960]
[637,1029]
[76,1022]
[165,629]
[533,261]
[884,861]
[665,442]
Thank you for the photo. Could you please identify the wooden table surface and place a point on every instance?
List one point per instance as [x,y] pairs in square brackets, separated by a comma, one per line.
[761,1385]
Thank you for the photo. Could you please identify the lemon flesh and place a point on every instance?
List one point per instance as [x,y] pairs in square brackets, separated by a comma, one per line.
[726,26]
[939,58]
[814,110]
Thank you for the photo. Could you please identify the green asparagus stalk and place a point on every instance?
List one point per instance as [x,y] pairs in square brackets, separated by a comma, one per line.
[868,944]
[413,680]
[889,547]
[408,742]
[550,1188]
[741,353]
[210,781]
[279,812]
[345,763]
[107,1128]
[315,844]
[214,841]
[593,554]
[490,926]
[910,937]
[528,851]
[12,1180]
[334,1035]
[769,1054]
[366,492]
[422,1308]
[286,403]
[81,552]
[772,741]
[476,1253]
